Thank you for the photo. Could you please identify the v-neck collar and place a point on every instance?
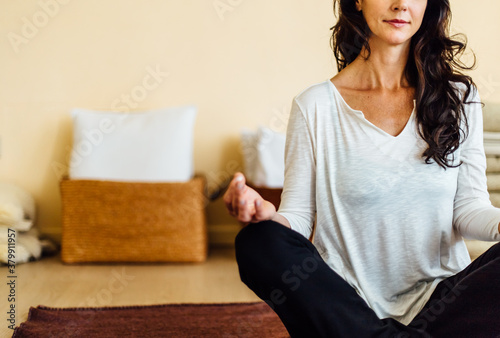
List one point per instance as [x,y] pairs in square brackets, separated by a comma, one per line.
[361,115]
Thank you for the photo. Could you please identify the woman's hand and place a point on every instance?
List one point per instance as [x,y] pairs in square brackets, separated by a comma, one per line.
[245,204]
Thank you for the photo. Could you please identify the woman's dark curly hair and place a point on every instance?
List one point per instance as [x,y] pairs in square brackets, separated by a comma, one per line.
[433,68]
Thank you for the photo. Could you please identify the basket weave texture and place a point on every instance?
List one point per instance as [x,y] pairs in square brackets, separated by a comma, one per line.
[106,221]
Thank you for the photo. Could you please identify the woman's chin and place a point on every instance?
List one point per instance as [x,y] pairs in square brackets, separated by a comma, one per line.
[393,41]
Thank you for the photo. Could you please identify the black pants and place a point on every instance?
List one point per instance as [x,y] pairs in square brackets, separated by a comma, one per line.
[286,271]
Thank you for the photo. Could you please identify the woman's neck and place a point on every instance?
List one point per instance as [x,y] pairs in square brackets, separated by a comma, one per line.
[384,69]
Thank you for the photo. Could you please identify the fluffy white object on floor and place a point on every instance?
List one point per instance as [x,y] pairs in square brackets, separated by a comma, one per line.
[22,255]
[17,207]
[27,245]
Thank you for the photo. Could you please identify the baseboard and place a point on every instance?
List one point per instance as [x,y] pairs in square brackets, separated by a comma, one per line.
[223,234]
[54,233]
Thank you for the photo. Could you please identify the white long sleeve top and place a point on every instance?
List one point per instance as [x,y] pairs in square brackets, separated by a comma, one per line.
[387,222]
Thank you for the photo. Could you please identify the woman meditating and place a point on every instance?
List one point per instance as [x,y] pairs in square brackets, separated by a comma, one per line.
[387,160]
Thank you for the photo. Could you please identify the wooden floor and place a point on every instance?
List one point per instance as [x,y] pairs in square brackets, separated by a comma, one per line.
[51,283]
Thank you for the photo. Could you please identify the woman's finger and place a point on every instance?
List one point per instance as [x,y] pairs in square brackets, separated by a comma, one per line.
[238,177]
[238,200]
[246,211]
[239,191]
[243,214]
[259,212]
[237,180]
[264,210]
[232,193]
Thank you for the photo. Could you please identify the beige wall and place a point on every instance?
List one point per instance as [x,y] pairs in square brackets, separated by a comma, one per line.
[241,65]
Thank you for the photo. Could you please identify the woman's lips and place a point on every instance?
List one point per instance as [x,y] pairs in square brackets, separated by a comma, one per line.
[397,23]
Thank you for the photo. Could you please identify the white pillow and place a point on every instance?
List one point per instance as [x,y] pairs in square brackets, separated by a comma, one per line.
[152,146]
[249,140]
[491,116]
[264,157]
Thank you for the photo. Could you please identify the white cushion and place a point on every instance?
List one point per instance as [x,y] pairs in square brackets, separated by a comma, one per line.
[249,141]
[491,116]
[152,146]
[264,157]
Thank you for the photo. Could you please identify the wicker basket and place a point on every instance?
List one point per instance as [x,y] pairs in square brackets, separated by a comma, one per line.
[105,221]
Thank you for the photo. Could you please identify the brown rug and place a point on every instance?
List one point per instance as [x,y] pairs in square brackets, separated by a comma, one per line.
[171,320]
